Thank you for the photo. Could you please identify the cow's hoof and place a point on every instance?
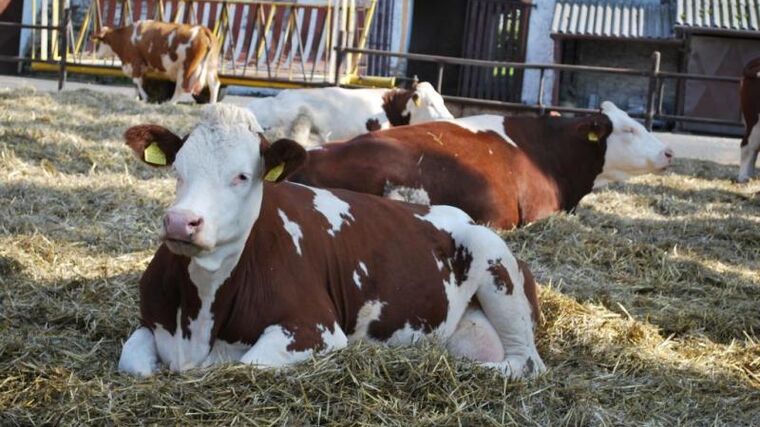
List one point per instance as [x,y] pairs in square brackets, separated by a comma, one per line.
[205,95]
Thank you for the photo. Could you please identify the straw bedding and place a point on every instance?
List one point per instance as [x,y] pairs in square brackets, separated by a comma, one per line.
[649,292]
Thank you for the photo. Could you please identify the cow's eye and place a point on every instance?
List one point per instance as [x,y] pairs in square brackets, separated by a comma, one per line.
[239,179]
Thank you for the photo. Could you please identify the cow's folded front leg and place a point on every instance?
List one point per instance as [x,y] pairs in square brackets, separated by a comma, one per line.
[139,355]
[283,345]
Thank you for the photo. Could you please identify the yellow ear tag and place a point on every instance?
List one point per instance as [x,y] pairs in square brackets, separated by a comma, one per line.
[275,173]
[417,101]
[593,137]
[154,155]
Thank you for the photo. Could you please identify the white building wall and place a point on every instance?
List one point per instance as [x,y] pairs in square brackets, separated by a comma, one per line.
[540,49]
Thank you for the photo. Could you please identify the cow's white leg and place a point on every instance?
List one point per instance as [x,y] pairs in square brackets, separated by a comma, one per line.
[749,154]
[271,349]
[506,305]
[213,87]
[475,338]
[178,91]
[139,355]
[138,81]
[509,311]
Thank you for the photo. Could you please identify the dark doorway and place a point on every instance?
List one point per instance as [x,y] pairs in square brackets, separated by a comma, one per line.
[478,29]
[437,29]
[495,30]
[10,11]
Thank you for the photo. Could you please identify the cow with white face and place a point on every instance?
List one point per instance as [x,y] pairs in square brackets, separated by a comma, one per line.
[314,116]
[631,149]
[269,273]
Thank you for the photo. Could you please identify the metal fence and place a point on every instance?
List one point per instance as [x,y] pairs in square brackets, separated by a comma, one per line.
[264,43]
[60,24]
[654,94]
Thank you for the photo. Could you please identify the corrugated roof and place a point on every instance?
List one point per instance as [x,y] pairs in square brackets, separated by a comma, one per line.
[738,15]
[613,19]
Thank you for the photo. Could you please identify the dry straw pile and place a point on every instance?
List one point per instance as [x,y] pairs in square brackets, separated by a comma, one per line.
[651,299]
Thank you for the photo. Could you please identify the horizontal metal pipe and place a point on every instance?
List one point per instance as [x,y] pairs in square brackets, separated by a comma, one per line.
[5,24]
[686,76]
[700,120]
[483,63]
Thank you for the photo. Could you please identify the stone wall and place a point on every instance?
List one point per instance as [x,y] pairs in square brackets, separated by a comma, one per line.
[628,92]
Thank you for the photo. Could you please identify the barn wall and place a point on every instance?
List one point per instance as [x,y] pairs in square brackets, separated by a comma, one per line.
[628,92]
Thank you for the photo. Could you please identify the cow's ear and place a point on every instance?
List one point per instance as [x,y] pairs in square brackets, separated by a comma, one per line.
[595,128]
[153,144]
[281,158]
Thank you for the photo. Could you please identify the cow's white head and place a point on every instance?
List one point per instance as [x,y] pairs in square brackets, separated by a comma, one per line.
[103,40]
[220,168]
[631,149]
[425,105]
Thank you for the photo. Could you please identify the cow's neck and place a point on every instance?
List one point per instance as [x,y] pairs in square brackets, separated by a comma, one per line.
[575,175]
[209,274]
[571,166]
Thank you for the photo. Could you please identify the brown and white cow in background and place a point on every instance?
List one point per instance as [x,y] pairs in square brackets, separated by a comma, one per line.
[502,171]
[314,116]
[750,104]
[186,54]
[268,273]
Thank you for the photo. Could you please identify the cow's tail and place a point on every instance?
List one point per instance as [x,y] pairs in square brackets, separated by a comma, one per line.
[197,71]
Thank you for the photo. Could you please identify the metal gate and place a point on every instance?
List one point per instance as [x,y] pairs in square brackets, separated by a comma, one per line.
[381,38]
[263,42]
[495,30]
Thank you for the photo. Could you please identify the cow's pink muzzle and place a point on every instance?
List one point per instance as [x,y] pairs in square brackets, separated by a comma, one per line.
[182,225]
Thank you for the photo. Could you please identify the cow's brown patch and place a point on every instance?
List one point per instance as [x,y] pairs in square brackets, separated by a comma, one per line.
[500,276]
[394,104]
[373,125]
[460,265]
[531,291]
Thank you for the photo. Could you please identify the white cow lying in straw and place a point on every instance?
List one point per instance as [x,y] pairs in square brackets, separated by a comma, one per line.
[314,116]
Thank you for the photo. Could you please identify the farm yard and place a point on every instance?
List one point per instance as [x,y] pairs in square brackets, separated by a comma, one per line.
[649,296]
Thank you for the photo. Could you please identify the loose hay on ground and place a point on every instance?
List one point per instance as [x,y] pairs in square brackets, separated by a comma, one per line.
[649,298]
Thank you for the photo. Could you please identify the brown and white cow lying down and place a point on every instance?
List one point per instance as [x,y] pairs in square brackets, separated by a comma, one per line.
[315,116]
[505,172]
[186,54]
[269,273]
[750,103]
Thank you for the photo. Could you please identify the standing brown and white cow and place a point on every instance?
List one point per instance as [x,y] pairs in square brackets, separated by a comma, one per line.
[268,273]
[750,103]
[186,54]
[502,171]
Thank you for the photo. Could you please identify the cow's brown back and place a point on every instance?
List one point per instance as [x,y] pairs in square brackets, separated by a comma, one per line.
[492,180]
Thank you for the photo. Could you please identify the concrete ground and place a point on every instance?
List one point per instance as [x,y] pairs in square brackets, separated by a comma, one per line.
[704,147]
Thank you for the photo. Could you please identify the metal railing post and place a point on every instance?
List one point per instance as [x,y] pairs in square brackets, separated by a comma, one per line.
[439,83]
[338,62]
[63,41]
[541,107]
[652,91]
